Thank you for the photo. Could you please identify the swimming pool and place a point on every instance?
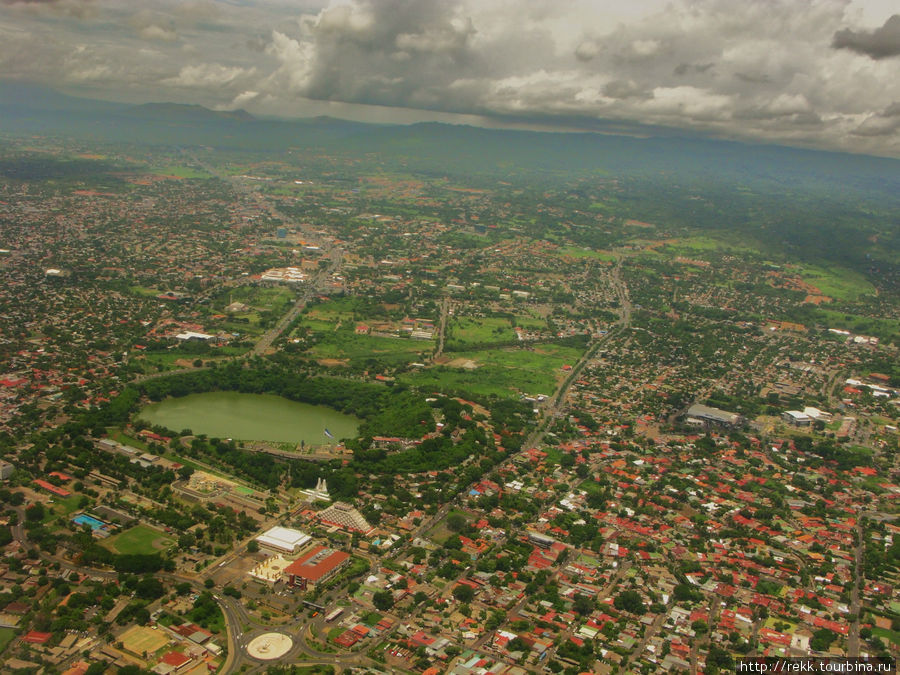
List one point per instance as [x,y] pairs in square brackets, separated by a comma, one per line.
[85,519]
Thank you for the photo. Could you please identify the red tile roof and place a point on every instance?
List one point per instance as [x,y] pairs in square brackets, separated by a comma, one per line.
[316,564]
[175,659]
[52,488]
[36,637]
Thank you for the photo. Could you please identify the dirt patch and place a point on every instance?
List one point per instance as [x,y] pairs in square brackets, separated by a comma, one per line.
[332,363]
[467,364]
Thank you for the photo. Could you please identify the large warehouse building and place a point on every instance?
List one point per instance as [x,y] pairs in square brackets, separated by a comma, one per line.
[705,415]
[283,540]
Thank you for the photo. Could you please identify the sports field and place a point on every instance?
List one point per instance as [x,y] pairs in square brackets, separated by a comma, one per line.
[140,639]
[140,539]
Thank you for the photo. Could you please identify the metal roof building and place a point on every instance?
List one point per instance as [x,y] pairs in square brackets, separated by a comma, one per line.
[713,415]
[283,540]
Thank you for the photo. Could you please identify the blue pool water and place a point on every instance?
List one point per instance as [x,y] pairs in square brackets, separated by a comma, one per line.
[84,519]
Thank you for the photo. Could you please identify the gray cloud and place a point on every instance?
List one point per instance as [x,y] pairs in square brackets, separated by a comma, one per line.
[688,68]
[886,123]
[625,89]
[587,50]
[753,79]
[388,52]
[749,70]
[881,43]
[46,3]
[154,26]
[76,8]
[257,43]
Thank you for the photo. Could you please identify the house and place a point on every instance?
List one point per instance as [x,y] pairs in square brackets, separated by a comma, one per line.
[800,640]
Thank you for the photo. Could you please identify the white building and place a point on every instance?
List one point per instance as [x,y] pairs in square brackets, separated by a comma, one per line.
[191,335]
[283,540]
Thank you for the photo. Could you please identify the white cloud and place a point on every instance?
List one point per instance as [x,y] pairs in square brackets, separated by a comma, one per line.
[765,70]
[154,32]
[208,75]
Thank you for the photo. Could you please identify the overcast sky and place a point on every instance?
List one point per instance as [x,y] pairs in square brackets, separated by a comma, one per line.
[823,73]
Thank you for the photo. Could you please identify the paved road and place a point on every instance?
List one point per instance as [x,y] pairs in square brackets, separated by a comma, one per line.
[855,604]
[698,644]
[442,330]
[265,342]
[557,405]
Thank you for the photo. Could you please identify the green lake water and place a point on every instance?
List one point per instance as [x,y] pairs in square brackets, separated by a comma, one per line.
[251,417]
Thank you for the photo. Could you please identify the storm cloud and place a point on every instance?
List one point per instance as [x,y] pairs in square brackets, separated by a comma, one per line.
[779,71]
[881,43]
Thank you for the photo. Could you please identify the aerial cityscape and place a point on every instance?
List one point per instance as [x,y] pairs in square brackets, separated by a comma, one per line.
[479,388]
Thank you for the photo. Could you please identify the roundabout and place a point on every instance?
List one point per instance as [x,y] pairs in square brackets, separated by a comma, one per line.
[269,646]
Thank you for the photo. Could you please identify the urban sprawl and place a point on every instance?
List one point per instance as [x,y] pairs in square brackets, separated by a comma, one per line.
[587,442]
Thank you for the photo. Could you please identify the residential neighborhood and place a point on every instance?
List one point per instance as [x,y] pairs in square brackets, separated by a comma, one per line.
[403,422]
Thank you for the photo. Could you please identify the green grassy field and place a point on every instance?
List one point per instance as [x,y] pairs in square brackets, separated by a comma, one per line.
[6,636]
[585,254]
[883,328]
[554,455]
[262,302]
[835,282]
[262,297]
[180,172]
[702,243]
[342,309]
[469,330]
[887,635]
[318,326]
[531,322]
[166,360]
[502,372]
[440,532]
[346,344]
[772,621]
[590,486]
[69,504]
[145,291]
[118,435]
[140,539]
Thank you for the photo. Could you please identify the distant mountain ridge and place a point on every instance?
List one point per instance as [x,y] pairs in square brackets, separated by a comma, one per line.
[447,148]
[187,112]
